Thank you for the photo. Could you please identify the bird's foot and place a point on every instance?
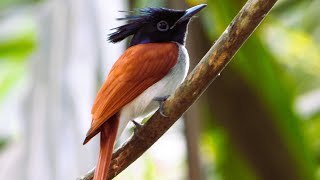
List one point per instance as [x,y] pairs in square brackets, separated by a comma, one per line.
[161,100]
[137,126]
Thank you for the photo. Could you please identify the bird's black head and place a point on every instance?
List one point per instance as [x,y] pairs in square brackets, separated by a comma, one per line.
[155,25]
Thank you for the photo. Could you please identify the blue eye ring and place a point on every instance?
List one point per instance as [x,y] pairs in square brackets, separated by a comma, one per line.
[162,26]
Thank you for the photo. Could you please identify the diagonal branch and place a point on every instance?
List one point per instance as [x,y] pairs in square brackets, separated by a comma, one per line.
[196,83]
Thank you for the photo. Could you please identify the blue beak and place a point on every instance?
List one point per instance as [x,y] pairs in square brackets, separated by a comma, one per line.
[188,14]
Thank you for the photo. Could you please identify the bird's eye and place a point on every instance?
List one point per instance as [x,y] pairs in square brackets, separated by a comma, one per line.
[163,26]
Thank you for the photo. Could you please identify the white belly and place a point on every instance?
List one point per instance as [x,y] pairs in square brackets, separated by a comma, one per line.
[143,105]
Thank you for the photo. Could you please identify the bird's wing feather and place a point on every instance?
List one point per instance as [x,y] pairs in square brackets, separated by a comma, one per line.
[136,70]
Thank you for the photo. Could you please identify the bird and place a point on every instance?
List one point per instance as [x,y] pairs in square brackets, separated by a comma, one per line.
[145,75]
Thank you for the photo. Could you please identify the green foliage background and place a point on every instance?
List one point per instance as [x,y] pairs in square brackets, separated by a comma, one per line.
[276,67]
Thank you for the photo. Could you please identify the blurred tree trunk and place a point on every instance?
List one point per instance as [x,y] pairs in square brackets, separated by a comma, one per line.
[250,128]
[197,45]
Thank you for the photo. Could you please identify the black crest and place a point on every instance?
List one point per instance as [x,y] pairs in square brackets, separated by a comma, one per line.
[144,16]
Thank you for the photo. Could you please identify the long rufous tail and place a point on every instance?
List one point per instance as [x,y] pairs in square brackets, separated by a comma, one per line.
[108,135]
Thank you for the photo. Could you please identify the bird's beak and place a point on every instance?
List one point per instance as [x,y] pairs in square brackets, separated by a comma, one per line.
[188,14]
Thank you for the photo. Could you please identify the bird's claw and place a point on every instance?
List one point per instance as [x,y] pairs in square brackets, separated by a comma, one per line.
[161,100]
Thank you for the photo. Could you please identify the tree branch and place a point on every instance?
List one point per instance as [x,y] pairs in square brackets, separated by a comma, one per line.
[220,54]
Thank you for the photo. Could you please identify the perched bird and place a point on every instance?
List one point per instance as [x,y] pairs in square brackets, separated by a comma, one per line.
[147,73]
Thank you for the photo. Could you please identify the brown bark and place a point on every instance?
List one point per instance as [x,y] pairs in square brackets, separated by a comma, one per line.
[196,83]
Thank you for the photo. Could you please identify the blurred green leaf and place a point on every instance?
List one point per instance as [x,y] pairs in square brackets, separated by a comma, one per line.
[17,42]
[150,171]
[7,3]
[10,74]
[283,6]
[17,49]
[3,143]
[229,163]
[147,3]
[297,52]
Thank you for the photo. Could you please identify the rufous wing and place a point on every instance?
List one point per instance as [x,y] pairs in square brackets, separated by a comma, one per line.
[136,70]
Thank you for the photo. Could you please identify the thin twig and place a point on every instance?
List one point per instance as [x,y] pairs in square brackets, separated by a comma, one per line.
[196,83]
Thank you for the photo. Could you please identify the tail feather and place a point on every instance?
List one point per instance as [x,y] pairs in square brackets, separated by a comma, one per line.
[108,136]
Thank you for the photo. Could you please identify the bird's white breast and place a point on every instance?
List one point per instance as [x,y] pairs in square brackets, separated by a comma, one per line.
[143,105]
